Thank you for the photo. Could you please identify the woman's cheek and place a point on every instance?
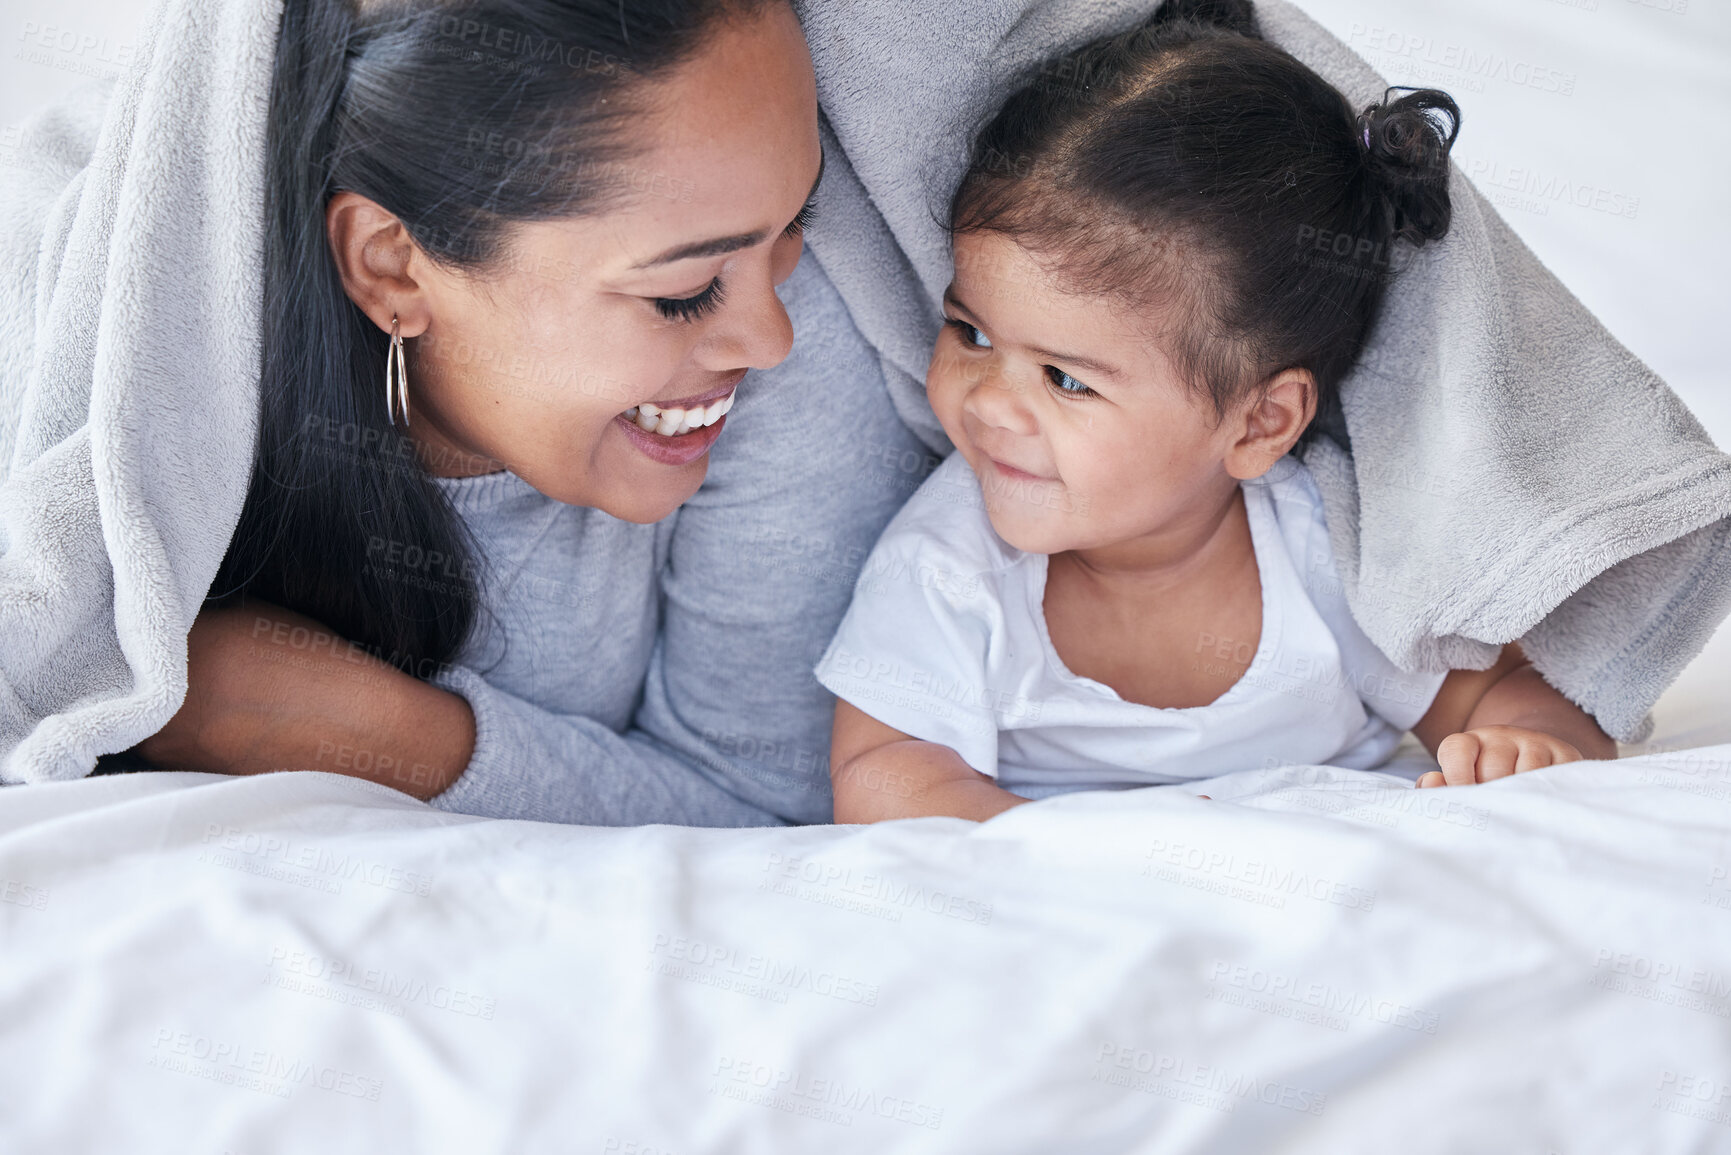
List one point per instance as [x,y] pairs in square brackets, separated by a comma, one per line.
[784,257]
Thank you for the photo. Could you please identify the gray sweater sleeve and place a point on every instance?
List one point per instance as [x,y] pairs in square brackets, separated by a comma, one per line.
[764,558]
[533,763]
[732,728]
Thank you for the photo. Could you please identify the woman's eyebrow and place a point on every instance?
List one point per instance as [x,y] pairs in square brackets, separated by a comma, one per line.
[716,246]
[713,247]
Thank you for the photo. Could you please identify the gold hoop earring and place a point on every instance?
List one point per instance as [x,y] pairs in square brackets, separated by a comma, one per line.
[396,376]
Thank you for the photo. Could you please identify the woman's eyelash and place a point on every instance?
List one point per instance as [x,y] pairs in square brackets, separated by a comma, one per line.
[803,221]
[1057,377]
[701,304]
[692,307]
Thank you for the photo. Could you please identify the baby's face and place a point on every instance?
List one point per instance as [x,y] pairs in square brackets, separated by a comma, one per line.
[1080,430]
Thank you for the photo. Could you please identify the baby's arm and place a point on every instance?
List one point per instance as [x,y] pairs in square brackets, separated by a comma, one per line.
[1491,723]
[878,772]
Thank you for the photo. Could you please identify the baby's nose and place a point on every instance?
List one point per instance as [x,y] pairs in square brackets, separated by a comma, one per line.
[1002,402]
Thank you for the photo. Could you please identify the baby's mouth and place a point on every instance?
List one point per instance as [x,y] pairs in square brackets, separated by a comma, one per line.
[677,422]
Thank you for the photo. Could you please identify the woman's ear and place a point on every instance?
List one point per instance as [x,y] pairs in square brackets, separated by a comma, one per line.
[377,261]
[1271,423]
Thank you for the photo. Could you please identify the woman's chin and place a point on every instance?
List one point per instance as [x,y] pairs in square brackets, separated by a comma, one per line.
[622,480]
[644,514]
[645,495]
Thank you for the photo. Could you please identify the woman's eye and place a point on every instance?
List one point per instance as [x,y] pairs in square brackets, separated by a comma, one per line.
[1064,383]
[970,334]
[692,307]
[807,216]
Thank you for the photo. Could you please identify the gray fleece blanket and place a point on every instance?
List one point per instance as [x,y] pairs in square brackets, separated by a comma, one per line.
[1514,473]
[131,226]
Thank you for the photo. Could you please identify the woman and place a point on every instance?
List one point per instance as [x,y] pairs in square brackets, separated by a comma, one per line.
[468,575]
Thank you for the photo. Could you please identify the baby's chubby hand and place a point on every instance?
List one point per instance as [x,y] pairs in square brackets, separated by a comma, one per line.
[1488,752]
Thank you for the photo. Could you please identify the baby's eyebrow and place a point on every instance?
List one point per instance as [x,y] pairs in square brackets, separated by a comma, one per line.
[1076,359]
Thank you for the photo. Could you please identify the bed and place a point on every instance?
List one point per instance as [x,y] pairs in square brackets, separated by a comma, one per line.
[1310,960]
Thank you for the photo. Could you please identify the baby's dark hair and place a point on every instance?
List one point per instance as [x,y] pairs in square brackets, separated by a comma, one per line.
[1193,163]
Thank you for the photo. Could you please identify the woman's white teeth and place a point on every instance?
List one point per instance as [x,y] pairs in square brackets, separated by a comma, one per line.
[674,422]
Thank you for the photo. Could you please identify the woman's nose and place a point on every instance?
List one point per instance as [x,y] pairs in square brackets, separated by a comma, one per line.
[756,333]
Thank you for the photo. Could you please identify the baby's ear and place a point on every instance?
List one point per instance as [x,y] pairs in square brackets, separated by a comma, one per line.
[1271,421]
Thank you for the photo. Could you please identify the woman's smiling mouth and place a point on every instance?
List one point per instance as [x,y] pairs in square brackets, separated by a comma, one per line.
[677,421]
[679,433]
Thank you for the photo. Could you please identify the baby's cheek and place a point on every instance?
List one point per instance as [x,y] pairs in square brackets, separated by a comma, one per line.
[1086,469]
[946,385]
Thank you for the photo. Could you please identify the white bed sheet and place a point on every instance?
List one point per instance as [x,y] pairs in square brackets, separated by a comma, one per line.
[1315,961]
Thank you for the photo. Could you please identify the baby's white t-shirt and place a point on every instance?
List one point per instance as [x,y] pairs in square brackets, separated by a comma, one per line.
[946,641]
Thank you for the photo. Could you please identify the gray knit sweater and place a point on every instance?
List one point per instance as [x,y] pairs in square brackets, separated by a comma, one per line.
[625,674]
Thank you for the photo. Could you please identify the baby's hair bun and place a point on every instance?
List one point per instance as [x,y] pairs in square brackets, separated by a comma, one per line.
[1407,147]
[1230,15]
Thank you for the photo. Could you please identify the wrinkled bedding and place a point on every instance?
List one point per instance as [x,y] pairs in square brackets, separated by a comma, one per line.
[1315,960]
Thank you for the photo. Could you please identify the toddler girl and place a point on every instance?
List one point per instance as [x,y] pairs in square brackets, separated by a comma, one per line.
[1169,249]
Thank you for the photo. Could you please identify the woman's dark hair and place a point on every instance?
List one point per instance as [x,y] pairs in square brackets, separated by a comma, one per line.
[1191,162]
[460,117]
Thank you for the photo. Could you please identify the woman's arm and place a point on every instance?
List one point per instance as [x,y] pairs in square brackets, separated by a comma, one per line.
[271,690]
[1487,724]
[879,773]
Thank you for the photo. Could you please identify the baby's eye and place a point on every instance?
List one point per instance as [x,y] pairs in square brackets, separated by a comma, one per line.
[1065,383]
[970,334]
